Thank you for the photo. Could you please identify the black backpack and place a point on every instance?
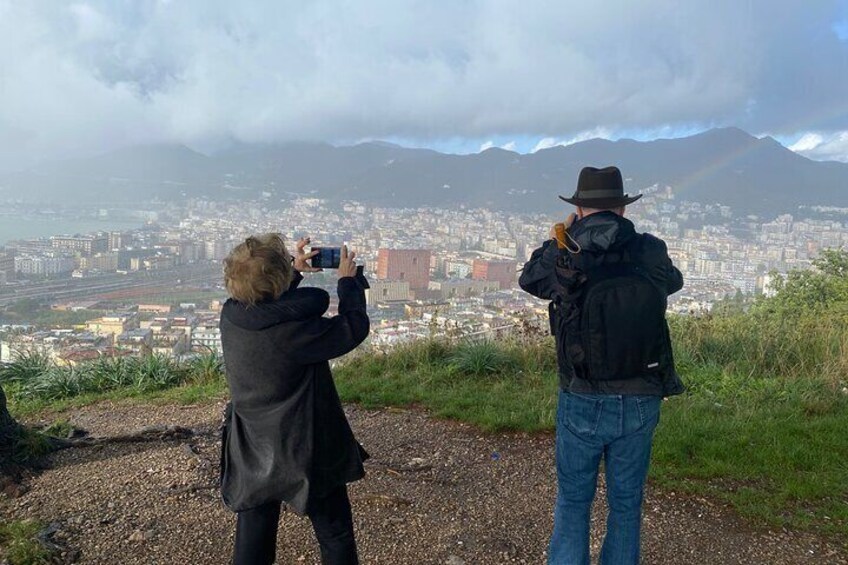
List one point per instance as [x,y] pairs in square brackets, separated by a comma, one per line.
[610,316]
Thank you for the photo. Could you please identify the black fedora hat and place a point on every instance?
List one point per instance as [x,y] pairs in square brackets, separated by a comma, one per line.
[600,188]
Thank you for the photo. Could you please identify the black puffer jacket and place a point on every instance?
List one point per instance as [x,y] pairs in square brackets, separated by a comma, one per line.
[286,437]
[597,235]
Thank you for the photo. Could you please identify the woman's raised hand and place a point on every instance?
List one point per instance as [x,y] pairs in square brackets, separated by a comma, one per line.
[347,266]
[301,257]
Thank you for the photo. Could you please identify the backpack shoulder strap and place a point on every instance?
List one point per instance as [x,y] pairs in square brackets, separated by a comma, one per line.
[569,278]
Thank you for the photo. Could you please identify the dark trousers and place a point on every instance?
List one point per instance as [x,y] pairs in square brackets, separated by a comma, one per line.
[256,531]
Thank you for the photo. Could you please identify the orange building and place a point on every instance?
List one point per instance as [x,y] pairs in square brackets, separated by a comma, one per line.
[500,271]
[411,265]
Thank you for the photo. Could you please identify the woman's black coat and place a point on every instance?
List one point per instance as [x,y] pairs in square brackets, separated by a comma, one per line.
[286,437]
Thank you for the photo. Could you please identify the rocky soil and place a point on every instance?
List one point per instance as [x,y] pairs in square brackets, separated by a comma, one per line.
[436,492]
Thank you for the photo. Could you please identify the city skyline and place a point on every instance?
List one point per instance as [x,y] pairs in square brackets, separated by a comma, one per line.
[442,271]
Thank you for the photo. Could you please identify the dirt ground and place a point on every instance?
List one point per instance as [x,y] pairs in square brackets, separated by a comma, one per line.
[436,492]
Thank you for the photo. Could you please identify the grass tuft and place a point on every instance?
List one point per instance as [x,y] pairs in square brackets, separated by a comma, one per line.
[59,429]
[19,543]
[45,382]
[31,446]
[482,359]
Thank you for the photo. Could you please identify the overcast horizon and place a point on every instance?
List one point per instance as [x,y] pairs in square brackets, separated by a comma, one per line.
[457,146]
[79,78]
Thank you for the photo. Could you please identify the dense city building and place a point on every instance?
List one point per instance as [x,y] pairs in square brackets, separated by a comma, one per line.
[503,272]
[43,265]
[86,244]
[7,267]
[462,288]
[387,291]
[410,265]
[432,271]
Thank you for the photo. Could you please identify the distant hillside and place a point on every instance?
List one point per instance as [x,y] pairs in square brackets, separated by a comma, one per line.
[725,165]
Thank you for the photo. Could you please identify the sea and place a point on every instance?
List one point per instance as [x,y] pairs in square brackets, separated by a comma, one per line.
[17,227]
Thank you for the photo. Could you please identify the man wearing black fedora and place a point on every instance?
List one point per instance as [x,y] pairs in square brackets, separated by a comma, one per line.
[608,288]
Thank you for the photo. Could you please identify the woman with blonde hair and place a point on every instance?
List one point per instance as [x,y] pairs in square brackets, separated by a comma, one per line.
[286,437]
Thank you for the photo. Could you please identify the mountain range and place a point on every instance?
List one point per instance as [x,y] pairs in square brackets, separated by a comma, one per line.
[726,166]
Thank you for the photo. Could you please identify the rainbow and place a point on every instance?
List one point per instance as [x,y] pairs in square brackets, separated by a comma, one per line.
[723,160]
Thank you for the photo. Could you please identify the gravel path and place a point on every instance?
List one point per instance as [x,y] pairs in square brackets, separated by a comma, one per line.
[436,492]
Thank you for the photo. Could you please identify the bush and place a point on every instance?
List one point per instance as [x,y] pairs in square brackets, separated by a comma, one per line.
[59,429]
[497,385]
[481,359]
[35,379]
[19,543]
[205,369]
[27,365]
[155,372]
[765,344]
[31,447]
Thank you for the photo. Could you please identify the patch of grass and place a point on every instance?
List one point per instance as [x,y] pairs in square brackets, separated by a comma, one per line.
[193,393]
[31,446]
[59,429]
[27,366]
[184,394]
[481,359]
[36,381]
[19,543]
[206,369]
[803,345]
[773,447]
[491,385]
[52,389]
[756,443]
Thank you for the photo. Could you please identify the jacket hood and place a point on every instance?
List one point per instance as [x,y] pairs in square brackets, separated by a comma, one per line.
[294,305]
[602,231]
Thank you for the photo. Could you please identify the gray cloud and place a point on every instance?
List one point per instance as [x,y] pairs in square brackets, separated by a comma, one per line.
[88,76]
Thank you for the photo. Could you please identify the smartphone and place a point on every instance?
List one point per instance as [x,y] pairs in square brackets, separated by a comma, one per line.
[327,258]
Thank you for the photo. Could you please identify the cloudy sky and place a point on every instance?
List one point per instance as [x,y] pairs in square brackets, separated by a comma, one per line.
[82,77]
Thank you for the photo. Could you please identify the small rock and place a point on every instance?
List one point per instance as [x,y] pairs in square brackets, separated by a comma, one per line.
[14,490]
[454,560]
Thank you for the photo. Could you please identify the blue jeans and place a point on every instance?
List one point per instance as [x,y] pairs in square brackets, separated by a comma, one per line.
[620,429]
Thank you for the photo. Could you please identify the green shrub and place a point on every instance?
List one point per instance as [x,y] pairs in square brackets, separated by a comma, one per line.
[59,429]
[53,383]
[156,372]
[205,369]
[19,543]
[31,446]
[484,358]
[28,364]
[812,345]
[109,373]
[106,374]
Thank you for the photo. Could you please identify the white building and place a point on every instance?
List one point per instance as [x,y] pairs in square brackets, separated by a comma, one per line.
[386,291]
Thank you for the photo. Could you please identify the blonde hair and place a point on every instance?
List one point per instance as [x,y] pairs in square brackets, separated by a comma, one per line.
[258,268]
